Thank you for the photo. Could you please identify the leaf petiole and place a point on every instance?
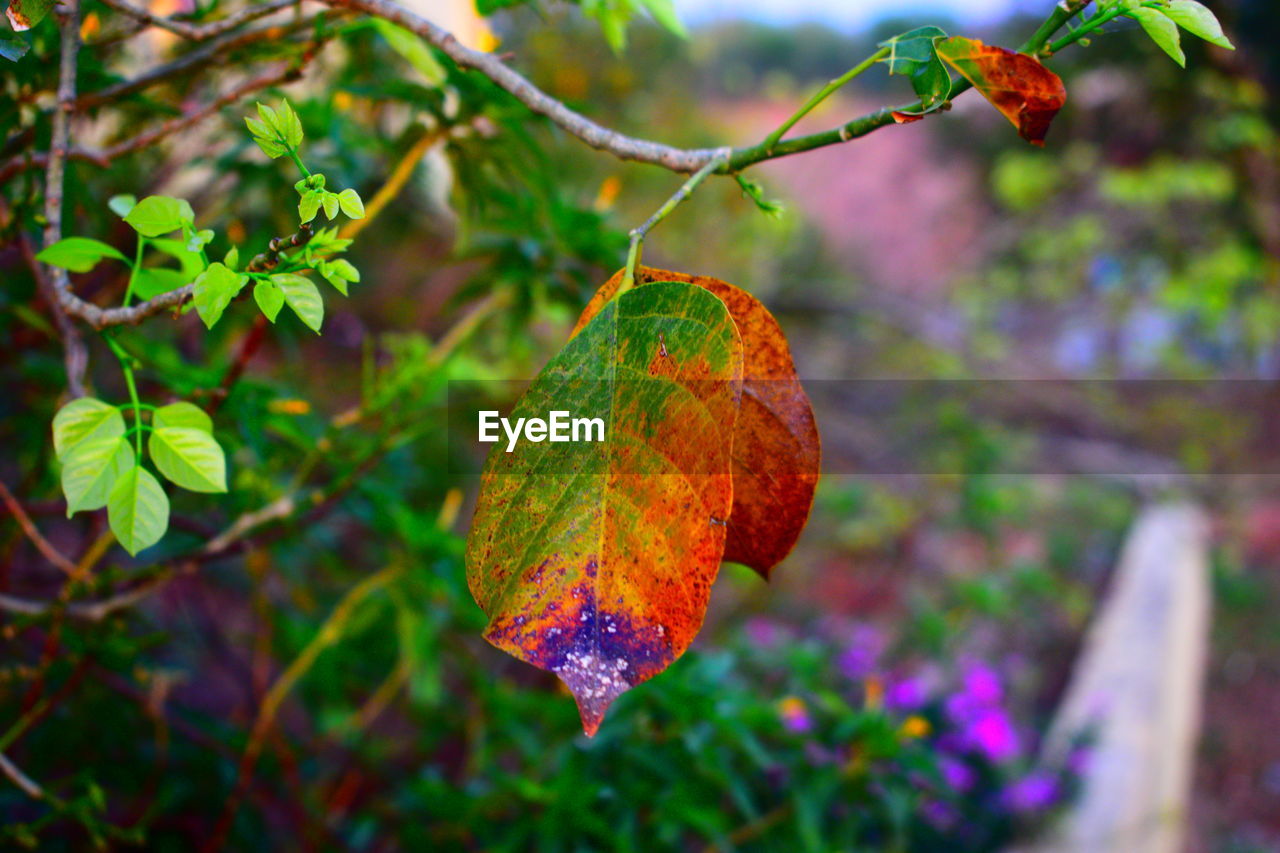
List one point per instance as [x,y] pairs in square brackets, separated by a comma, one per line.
[821,95]
[686,190]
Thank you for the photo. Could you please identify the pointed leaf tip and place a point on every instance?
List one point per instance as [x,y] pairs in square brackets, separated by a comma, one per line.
[594,559]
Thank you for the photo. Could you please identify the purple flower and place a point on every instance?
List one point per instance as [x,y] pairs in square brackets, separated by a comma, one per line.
[939,815]
[859,658]
[992,734]
[907,694]
[958,775]
[764,632]
[982,684]
[1034,792]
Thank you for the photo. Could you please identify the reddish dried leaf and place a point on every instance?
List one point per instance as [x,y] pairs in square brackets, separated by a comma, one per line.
[899,117]
[776,449]
[1028,94]
[595,560]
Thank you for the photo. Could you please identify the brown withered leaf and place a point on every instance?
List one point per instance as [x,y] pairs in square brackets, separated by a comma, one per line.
[1027,93]
[776,449]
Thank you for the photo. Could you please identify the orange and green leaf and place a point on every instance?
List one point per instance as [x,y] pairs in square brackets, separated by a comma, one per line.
[595,560]
[1027,93]
[776,450]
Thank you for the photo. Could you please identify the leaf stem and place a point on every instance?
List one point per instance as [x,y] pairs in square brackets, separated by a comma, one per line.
[821,95]
[133,272]
[1083,30]
[638,234]
[297,161]
[126,367]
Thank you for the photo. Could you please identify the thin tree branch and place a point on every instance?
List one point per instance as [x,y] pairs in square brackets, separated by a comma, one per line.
[642,150]
[28,527]
[102,157]
[202,32]
[56,281]
[75,352]
[28,785]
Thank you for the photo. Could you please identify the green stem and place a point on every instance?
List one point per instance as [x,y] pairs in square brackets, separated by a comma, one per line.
[1083,30]
[638,234]
[133,273]
[822,94]
[1062,12]
[297,161]
[126,367]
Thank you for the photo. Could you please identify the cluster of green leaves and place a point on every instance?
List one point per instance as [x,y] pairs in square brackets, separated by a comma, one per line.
[100,466]
[1161,20]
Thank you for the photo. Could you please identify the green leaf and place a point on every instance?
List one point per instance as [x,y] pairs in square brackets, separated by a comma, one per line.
[1196,19]
[331,203]
[91,471]
[258,127]
[595,559]
[290,126]
[270,119]
[232,258]
[301,294]
[25,14]
[154,281]
[78,254]
[327,241]
[13,49]
[182,414]
[915,54]
[197,240]
[414,50]
[120,205]
[156,215]
[138,510]
[352,206]
[309,205]
[338,272]
[909,50]
[754,190]
[214,290]
[271,147]
[191,262]
[1162,31]
[82,420]
[664,12]
[189,458]
[269,298]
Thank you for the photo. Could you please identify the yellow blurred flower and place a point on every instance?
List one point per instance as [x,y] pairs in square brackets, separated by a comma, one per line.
[289,407]
[609,189]
[915,726]
[90,26]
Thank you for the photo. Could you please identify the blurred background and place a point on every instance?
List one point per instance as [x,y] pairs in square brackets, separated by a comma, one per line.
[895,686]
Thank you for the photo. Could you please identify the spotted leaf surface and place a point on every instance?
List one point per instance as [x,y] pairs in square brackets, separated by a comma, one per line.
[1023,90]
[776,449]
[594,560]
